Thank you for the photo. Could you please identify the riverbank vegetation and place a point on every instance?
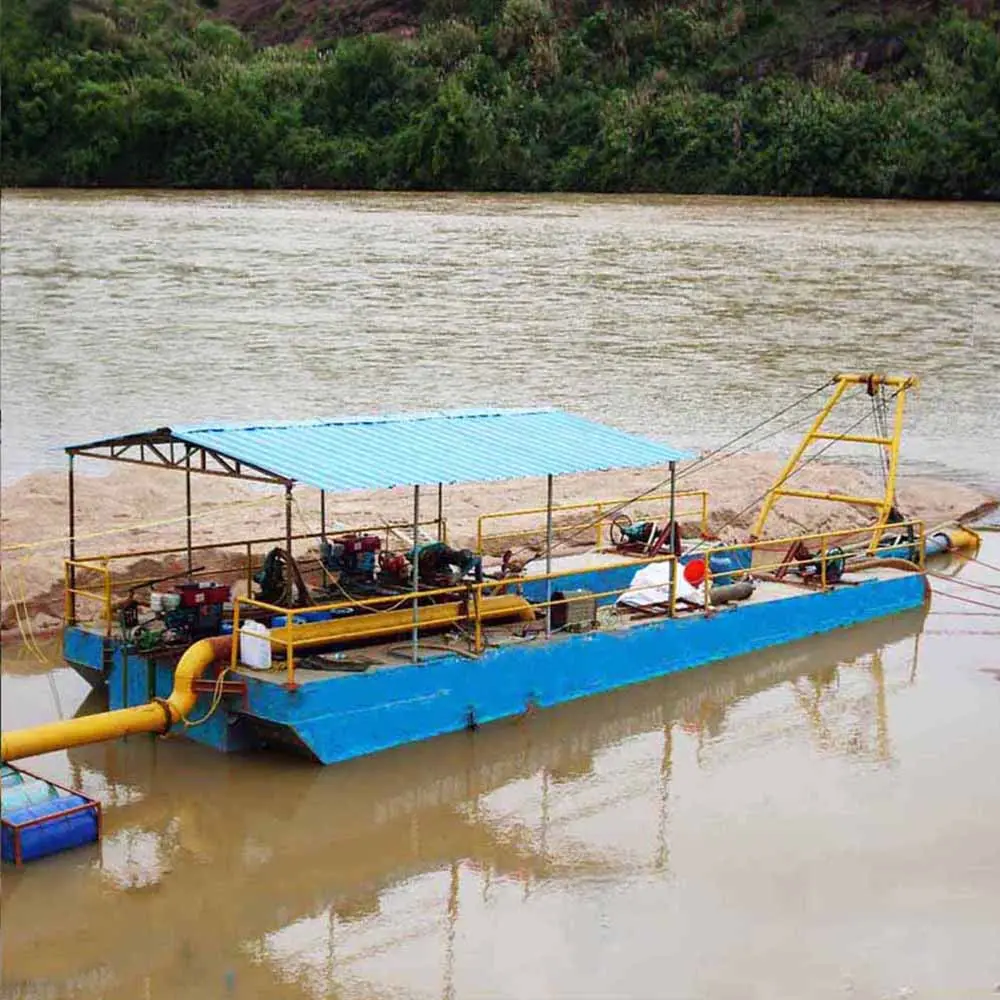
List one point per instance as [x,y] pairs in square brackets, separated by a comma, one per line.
[758,97]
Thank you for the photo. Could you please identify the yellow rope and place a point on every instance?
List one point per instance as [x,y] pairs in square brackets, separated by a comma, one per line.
[23,625]
[216,701]
[36,649]
[211,511]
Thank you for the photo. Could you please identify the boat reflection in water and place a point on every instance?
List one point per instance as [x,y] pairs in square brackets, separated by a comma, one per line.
[219,869]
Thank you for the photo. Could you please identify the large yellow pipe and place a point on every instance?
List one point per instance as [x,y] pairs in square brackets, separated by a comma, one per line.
[962,537]
[387,623]
[155,717]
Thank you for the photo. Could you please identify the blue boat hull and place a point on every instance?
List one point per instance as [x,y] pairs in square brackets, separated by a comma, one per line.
[343,716]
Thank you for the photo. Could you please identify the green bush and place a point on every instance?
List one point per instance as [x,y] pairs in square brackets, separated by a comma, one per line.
[753,97]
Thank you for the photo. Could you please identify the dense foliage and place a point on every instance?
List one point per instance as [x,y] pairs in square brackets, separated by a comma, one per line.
[764,97]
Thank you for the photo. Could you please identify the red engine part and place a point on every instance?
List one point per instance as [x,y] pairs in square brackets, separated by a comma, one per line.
[359,543]
[394,564]
[205,592]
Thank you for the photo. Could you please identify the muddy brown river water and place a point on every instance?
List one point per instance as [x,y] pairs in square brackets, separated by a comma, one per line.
[688,318]
[818,821]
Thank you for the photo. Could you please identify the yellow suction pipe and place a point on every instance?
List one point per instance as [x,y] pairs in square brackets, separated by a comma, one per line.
[963,537]
[156,717]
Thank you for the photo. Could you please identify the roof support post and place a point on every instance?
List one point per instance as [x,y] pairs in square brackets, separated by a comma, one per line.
[440,517]
[674,535]
[322,515]
[415,638]
[71,597]
[187,507]
[288,545]
[548,557]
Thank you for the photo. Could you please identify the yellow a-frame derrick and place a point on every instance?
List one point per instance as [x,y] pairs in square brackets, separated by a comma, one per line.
[874,384]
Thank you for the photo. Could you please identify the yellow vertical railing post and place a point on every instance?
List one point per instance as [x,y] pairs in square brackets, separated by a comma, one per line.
[289,652]
[704,512]
[234,652]
[890,489]
[478,641]
[107,595]
[479,536]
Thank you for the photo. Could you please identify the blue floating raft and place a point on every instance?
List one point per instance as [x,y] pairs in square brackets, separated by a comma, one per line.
[39,817]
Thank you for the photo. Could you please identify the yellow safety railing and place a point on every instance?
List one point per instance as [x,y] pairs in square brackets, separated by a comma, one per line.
[472,594]
[251,556]
[601,511]
[72,590]
[858,538]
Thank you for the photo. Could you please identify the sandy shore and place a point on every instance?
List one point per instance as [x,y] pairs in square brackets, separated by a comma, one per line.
[134,509]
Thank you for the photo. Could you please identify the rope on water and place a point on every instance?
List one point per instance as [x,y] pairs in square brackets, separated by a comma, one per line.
[964,614]
[978,562]
[968,600]
[988,588]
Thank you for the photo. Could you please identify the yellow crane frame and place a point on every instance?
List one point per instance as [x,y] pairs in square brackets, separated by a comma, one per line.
[882,504]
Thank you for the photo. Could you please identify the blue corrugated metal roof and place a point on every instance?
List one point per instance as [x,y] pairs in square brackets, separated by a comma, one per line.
[448,447]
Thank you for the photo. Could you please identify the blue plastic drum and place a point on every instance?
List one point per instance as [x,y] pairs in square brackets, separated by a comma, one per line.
[55,833]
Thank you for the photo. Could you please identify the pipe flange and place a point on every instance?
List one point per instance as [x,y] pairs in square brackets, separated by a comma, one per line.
[168,715]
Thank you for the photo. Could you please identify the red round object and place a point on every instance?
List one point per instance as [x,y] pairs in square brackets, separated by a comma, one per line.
[694,572]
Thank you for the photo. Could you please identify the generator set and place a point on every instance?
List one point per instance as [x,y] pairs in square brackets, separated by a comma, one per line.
[439,566]
[200,610]
[187,612]
[354,559]
[356,565]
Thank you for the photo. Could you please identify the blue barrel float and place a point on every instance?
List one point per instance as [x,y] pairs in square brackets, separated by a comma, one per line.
[39,817]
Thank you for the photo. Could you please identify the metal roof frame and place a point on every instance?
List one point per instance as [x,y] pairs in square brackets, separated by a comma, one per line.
[163,449]
[379,452]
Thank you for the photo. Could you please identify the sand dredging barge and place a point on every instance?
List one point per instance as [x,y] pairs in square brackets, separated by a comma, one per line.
[354,639]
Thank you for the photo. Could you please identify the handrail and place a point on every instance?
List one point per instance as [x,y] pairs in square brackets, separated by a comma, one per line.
[71,591]
[266,540]
[102,562]
[765,543]
[474,593]
[823,556]
[617,506]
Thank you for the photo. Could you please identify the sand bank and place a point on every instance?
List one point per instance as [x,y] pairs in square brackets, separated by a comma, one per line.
[137,508]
